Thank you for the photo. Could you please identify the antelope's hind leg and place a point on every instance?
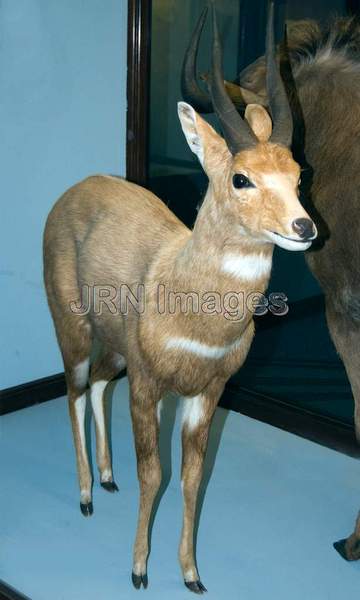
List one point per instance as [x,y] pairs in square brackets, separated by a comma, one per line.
[104,369]
[143,402]
[75,342]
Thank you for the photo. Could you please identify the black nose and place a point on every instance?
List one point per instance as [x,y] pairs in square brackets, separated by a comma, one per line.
[304,228]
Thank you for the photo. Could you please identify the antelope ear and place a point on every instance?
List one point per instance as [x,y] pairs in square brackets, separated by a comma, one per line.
[200,136]
[259,121]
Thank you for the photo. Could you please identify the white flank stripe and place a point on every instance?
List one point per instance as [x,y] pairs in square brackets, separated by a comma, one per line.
[247,267]
[193,411]
[181,343]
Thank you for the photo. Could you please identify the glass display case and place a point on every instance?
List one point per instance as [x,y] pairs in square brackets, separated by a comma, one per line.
[293,359]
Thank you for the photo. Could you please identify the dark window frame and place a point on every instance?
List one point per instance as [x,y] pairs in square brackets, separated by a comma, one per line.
[138,90]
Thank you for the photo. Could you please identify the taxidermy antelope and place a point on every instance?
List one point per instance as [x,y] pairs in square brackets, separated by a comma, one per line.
[324,87]
[109,230]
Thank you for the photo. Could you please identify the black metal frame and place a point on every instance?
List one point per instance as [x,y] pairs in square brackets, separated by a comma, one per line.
[138,90]
[9,593]
[32,392]
[327,431]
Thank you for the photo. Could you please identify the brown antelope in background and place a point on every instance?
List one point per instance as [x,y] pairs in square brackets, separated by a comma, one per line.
[324,89]
[106,230]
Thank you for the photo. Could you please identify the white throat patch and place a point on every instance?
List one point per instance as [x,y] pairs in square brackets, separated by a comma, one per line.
[247,267]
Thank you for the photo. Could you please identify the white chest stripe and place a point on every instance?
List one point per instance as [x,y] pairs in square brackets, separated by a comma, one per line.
[247,267]
[188,345]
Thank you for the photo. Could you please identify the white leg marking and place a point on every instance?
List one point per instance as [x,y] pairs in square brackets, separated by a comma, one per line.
[85,496]
[139,568]
[247,267]
[120,362]
[203,350]
[80,407]
[81,373]
[193,411]
[158,410]
[96,395]
[106,475]
[191,575]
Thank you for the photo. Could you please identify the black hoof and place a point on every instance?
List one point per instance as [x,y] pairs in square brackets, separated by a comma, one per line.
[341,548]
[138,580]
[195,586]
[109,486]
[86,509]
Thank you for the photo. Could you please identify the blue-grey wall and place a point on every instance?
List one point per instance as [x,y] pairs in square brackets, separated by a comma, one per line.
[62,117]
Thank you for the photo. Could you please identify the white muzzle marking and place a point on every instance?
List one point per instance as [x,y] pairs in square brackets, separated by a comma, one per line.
[288,243]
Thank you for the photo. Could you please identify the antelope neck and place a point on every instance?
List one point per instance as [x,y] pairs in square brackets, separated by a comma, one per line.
[217,242]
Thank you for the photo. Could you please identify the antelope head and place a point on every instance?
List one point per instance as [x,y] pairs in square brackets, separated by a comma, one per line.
[251,171]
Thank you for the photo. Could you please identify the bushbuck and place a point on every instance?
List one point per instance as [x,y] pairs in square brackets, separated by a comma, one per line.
[108,232]
[321,69]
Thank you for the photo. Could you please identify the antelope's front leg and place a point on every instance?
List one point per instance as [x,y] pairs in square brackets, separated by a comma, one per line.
[146,433]
[197,417]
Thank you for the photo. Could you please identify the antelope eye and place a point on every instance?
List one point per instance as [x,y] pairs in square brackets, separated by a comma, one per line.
[241,181]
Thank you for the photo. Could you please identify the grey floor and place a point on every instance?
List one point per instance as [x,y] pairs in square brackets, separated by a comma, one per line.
[273,506]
